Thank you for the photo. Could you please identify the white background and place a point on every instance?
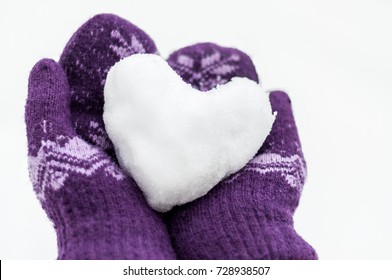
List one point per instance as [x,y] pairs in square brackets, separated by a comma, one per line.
[334,58]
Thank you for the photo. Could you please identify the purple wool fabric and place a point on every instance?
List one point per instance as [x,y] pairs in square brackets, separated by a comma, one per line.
[86,60]
[97,211]
[206,65]
[250,214]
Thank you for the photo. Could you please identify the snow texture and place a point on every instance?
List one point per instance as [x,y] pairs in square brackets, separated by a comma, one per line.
[175,141]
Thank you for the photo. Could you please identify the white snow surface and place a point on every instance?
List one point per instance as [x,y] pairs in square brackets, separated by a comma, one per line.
[175,141]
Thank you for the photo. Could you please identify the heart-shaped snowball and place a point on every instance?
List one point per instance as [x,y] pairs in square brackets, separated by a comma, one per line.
[175,141]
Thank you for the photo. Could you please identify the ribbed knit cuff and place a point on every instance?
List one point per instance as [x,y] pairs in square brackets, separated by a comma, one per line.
[229,224]
[102,222]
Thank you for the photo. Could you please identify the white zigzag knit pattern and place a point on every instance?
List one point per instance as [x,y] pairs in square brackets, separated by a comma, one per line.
[98,136]
[291,168]
[213,64]
[125,49]
[56,160]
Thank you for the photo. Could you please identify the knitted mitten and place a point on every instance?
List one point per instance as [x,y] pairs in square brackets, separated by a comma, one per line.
[250,214]
[97,211]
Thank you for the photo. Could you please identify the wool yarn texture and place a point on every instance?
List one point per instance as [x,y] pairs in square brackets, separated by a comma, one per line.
[99,212]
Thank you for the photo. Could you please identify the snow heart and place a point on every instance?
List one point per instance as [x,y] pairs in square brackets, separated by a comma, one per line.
[175,141]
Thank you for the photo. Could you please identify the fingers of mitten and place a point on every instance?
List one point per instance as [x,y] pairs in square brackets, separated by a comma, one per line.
[92,50]
[283,138]
[47,106]
[206,65]
[95,47]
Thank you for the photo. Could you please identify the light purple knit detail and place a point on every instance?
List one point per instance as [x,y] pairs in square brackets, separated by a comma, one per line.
[205,65]
[291,168]
[211,64]
[97,135]
[123,49]
[64,157]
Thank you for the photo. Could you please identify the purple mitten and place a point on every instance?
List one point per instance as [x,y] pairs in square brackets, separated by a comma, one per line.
[250,214]
[97,211]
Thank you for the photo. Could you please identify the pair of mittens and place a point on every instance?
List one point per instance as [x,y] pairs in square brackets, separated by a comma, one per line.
[100,213]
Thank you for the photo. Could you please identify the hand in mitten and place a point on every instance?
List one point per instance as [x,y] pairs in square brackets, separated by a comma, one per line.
[249,215]
[97,211]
